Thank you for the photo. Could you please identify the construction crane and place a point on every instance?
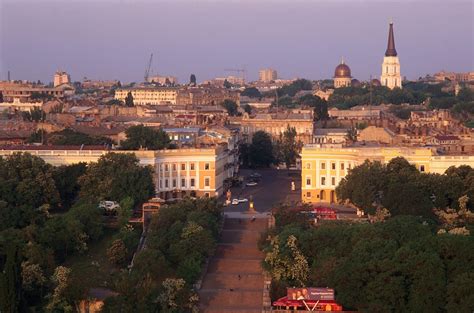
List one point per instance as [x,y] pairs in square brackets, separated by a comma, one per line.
[147,70]
[239,71]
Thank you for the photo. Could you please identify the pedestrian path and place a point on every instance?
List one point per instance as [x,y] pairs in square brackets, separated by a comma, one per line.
[234,281]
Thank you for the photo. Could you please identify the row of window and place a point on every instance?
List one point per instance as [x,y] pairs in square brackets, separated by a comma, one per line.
[333,166]
[323,181]
[192,183]
[166,167]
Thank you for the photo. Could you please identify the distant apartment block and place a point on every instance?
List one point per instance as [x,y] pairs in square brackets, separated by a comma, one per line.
[163,80]
[267,75]
[452,76]
[153,96]
[24,91]
[60,78]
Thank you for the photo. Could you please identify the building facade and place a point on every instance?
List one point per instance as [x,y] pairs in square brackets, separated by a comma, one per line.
[153,96]
[176,172]
[322,168]
[267,75]
[342,75]
[391,76]
[60,78]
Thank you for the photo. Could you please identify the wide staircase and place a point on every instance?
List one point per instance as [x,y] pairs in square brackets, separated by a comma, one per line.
[234,281]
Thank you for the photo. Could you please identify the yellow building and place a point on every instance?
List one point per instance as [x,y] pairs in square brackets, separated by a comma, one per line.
[177,172]
[154,96]
[322,168]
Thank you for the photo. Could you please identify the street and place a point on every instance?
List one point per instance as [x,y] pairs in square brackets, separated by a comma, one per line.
[273,188]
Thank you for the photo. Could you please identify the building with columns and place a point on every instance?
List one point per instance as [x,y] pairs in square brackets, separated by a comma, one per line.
[176,172]
[391,65]
[323,167]
[342,75]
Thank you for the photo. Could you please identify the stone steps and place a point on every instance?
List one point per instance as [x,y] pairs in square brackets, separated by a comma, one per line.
[239,236]
[226,281]
[237,266]
[238,251]
[241,299]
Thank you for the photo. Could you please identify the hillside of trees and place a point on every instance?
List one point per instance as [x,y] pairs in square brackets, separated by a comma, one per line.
[416,255]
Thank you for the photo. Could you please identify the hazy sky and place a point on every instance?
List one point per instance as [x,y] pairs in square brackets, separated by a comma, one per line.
[113,39]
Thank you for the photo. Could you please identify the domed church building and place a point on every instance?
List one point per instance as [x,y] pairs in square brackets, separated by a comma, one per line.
[342,75]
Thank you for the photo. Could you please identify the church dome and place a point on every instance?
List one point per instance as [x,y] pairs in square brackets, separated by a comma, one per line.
[375,82]
[342,71]
[355,83]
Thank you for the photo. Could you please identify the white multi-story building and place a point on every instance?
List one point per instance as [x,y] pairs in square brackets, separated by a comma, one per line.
[60,78]
[153,96]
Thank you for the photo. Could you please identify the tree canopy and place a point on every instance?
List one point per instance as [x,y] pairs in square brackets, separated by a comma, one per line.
[142,137]
[117,176]
[402,189]
[129,100]
[251,92]
[261,150]
[231,107]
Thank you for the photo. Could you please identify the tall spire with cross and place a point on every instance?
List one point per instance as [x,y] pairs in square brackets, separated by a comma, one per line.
[391,52]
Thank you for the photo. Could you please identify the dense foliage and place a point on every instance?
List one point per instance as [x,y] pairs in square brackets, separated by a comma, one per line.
[180,238]
[287,147]
[260,153]
[401,265]
[402,189]
[293,88]
[231,107]
[142,137]
[34,244]
[68,137]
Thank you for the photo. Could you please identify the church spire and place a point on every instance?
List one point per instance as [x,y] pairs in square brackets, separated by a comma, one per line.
[391,52]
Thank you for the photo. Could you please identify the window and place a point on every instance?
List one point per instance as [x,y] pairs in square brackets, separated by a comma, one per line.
[206,166]
[174,183]
[174,167]
[308,165]
[333,181]
[422,168]
[183,166]
[183,182]
[323,166]
[193,182]
[323,181]
[192,166]
[308,194]
[166,183]
[386,69]
[308,181]
[342,166]
[207,195]
[207,182]
[333,166]
[167,168]
[161,184]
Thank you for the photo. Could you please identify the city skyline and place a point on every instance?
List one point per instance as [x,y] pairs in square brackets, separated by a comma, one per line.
[303,39]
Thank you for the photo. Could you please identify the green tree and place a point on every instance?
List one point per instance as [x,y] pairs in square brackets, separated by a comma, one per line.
[231,107]
[69,136]
[261,150]
[247,108]
[289,147]
[129,100]
[116,176]
[192,80]
[320,106]
[227,84]
[66,179]
[11,294]
[142,137]
[117,252]
[251,92]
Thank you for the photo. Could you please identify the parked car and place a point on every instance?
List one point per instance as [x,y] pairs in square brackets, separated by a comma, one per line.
[251,183]
[243,200]
[256,175]
[109,207]
[235,201]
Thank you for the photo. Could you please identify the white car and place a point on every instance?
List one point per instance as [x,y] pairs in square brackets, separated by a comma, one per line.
[235,201]
[251,183]
[109,206]
[243,200]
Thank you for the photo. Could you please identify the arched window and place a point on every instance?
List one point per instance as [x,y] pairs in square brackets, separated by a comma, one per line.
[386,69]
